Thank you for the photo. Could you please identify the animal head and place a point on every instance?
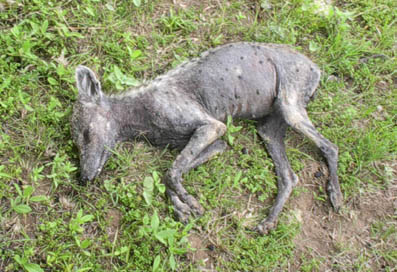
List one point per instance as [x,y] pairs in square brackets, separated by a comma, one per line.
[94,129]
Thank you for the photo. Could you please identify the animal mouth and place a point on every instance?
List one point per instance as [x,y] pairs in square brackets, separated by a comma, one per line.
[102,162]
[95,172]
[86,174]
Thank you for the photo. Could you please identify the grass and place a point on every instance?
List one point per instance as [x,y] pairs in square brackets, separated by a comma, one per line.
[123,221]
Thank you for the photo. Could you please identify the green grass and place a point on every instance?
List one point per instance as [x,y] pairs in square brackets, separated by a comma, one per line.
[123,221]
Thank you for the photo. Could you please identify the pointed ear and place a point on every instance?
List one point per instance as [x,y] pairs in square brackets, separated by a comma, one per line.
[88,85]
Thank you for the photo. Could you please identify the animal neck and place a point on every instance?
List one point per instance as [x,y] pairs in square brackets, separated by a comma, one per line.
[128,110]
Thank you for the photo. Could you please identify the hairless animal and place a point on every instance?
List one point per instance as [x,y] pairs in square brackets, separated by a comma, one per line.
[186,108]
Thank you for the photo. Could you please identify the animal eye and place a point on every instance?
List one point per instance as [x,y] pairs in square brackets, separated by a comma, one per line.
[86,135]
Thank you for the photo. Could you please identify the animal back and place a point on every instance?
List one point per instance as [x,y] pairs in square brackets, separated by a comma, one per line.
[236,79]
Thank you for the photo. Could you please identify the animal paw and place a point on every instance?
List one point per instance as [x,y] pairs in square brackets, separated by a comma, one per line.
[266,226]
[195,206]
[335,196]
[185,209]
[182,213]
[336,199]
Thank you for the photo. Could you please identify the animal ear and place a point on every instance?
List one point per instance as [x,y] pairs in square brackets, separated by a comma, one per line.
[87,84]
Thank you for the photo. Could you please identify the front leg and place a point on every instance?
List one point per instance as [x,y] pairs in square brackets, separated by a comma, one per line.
[200,142]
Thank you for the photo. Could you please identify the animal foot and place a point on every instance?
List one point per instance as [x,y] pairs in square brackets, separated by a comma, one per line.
[196,208]
[335,197]
[265,226]
[185,208]
[183,211]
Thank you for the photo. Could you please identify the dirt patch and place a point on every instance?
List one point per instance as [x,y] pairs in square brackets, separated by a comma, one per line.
[43,188]
[201,252]
[113,217]
[20,225]
[66,202]
[337,239]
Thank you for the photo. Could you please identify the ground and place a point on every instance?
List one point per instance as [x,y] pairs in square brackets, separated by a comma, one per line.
[123,221]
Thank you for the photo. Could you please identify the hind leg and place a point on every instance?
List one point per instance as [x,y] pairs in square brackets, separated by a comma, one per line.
[272,130]
[297,118]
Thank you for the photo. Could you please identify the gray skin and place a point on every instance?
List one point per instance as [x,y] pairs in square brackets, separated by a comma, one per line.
[187,107]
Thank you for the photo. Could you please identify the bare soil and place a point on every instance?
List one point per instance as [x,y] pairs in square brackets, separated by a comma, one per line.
[336,239]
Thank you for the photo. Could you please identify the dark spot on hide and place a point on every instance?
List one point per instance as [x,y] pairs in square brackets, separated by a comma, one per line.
[240,77]
[324,149]
[222,79]
[226,69]
[257,92]
[241,57]
[86,136]
[297,70]
[200,71]
[261,62]
[236,96]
